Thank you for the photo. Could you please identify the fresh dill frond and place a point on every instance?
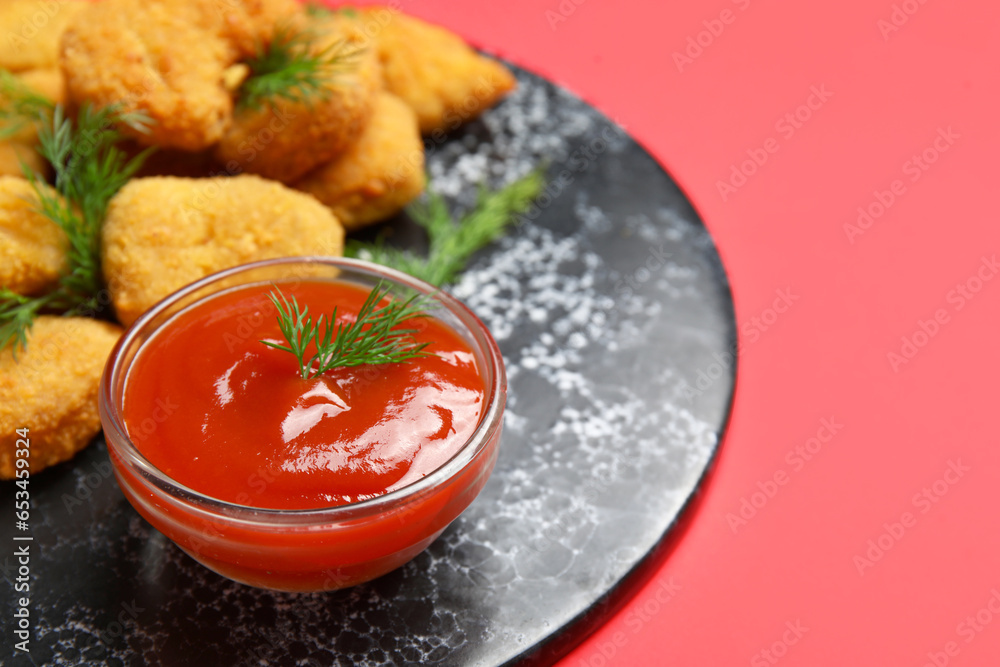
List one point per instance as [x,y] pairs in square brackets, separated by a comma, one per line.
[16,316]
[290,69]
[452,243]
[19,105]
[371,339]
[89,170]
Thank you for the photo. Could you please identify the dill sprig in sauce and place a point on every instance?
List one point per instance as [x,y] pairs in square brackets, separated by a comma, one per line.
[371,339]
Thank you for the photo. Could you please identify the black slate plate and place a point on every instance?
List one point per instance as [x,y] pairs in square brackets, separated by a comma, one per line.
[615,319]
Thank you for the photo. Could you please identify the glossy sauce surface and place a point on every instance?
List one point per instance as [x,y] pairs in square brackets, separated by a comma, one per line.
[215,409]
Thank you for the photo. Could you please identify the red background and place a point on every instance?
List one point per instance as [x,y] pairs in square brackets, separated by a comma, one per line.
[796,561]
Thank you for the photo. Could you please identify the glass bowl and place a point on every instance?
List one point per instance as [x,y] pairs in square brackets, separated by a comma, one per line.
[305,549]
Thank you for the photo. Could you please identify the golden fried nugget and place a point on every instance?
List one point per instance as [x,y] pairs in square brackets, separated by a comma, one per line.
[379,174]
[435,71]
[285,139]
[32,30]
[168,59]
[12,153]
[51,389]
[163,233]
[32,247]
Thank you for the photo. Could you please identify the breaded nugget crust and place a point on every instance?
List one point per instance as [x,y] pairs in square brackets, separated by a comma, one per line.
[51,389]
[435,72]
[32,30]
[286,139]
[379,174]
[164,233]
[32,247]
[166,58]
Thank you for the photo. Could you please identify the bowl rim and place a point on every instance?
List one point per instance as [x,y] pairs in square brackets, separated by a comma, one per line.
[120,445]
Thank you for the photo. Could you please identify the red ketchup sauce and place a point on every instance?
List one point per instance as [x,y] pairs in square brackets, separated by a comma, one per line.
[225,415]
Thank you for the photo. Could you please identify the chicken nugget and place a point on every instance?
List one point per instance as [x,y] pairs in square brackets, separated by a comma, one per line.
[379,174]
[32,247]
[435,71]
[51,388]
[167,59]
[33,30]
[163,233]
[285,139]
